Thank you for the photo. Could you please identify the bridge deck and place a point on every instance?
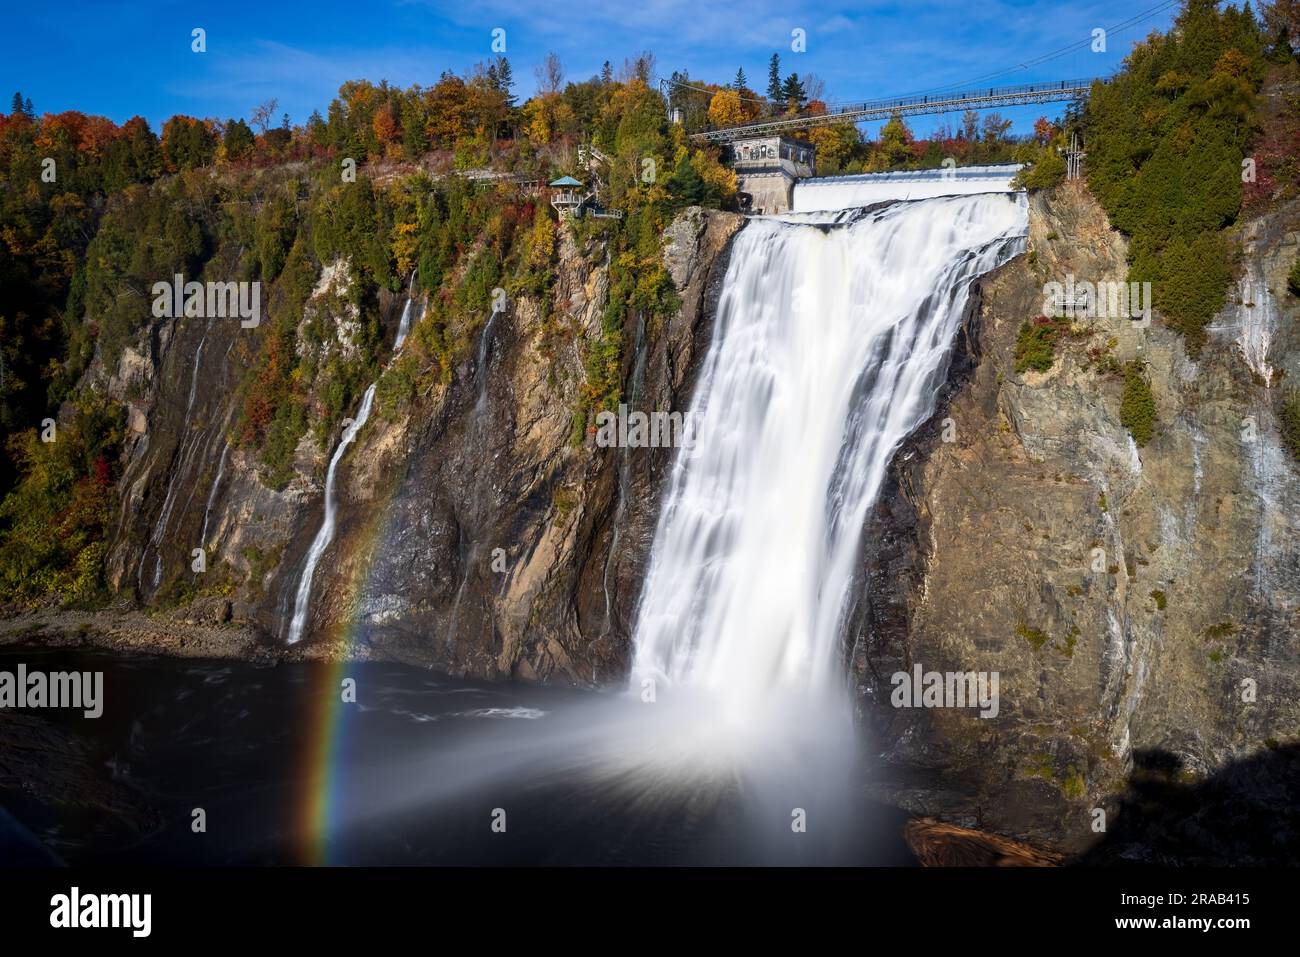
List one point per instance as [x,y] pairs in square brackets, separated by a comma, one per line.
[1051,91]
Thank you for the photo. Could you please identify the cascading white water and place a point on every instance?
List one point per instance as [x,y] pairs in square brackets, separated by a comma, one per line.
[830,345]
[1257,318]
[189,442]
[844,192]
[404,325]
[325,534]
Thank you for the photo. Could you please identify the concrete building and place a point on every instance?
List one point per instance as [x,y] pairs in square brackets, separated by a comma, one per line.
[767,167]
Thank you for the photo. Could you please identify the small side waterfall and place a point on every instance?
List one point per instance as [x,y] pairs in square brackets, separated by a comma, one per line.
[188,444]
[325,534]
[212,493]
[832,339]
[635,381]
[1257,318]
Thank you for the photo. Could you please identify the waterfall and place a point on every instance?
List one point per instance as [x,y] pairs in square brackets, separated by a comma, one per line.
[844,192]
[404,326]
[831,342]
[325,534]
[189,442]
[212,494]
[1257,318]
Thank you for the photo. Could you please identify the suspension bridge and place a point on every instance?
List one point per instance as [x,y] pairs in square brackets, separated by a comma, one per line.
[985,98]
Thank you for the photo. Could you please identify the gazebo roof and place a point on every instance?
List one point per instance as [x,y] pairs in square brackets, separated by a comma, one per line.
[565,181]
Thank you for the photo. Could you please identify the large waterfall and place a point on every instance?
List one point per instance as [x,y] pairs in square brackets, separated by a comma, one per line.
[831,342]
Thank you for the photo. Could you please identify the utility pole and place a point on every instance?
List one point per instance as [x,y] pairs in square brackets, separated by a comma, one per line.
[1074,159]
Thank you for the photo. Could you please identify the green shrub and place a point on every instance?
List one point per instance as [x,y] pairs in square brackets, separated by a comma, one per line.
[1036,344]
[1137,411]
[1036,637]
[1165,139]
[1289,421]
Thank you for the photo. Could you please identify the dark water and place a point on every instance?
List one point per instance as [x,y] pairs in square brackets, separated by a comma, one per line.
[422,766]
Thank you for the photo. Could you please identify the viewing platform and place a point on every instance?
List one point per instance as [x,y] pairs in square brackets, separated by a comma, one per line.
[767,169]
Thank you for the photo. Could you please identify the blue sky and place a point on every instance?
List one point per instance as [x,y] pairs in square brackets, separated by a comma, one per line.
[125,59]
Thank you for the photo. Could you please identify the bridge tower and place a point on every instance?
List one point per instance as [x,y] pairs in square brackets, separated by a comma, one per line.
[767,167]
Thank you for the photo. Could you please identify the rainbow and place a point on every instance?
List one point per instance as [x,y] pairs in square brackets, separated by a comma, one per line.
[327,716]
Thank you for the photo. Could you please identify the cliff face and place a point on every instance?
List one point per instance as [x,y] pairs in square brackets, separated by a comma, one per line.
[1134,601]
[489,540]
[475,532]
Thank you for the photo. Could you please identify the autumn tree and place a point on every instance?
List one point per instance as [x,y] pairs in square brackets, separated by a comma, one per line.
[725,108]
[263,114]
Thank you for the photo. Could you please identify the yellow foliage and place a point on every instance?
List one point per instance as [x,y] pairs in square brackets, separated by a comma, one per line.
[725,108]
[714,173]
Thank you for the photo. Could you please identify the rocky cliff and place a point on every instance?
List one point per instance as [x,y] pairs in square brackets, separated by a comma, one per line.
[1135,601]
[1138,603]
[477,532]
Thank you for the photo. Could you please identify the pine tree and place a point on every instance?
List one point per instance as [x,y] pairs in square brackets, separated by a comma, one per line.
[17,106]
[607,74]
[505,80]
[792,92]
[774,79]
[28,109]
[741,81]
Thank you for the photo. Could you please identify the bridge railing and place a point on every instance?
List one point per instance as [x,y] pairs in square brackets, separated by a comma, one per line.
[1039,92]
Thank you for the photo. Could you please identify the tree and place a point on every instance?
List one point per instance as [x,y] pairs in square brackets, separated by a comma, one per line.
[237,140]
[385,126]
[607,74]
[814,87]
[741,82]
[28,109]
[506,81]
[261,116]
[16,107]
[725,108]
[895,141]
[835,145]
[1042,130]
[792,92]
[1282,20]
[316,129]
[640,67]
[687,184]
[995,129]
[550,74]
[774,79]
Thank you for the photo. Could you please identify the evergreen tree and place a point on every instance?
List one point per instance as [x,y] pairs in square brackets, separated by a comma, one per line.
[28,109]
[505,80]
[741,81]
[607,74]
[774,79]
[238,140]
[17,106]
[688,186]
[316,128]
[792,92]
